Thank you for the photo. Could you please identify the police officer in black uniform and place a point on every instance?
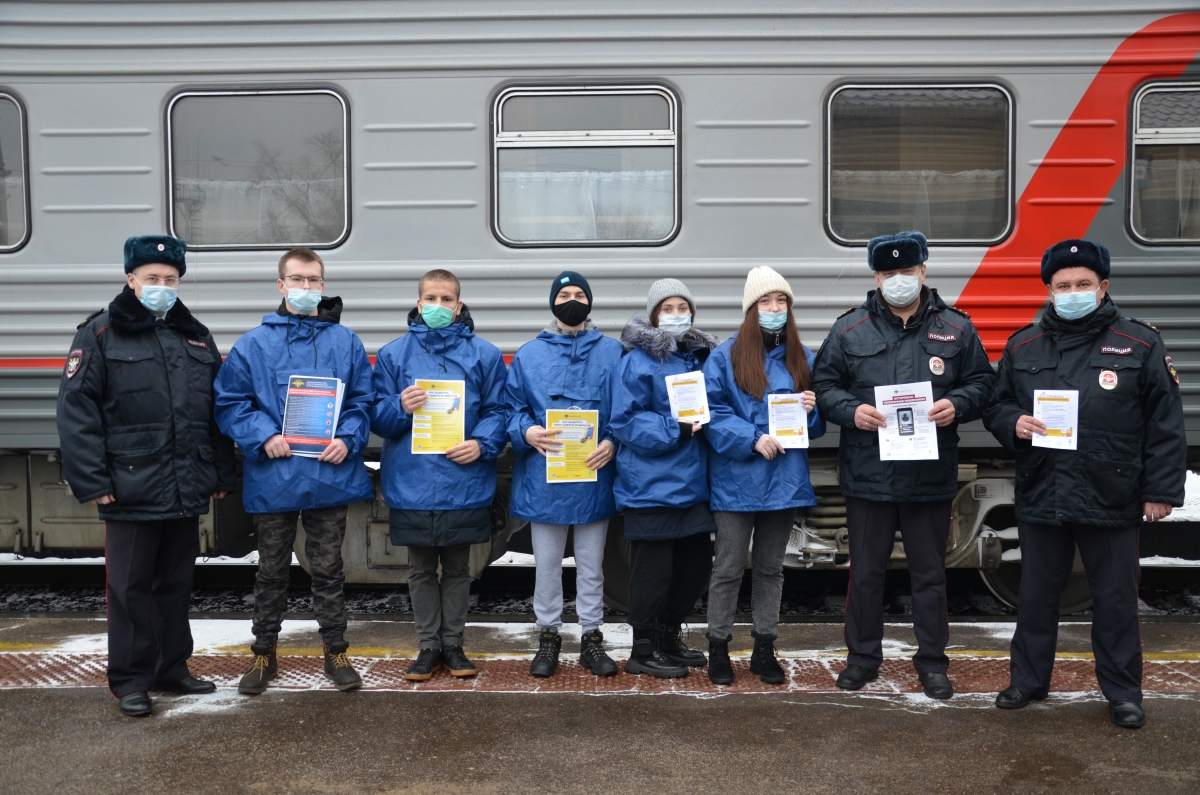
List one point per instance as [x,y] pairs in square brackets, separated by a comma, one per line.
[135,420]
[903,333]
[1130,463]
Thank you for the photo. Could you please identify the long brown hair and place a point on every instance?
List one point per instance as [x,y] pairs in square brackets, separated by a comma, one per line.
[749,371]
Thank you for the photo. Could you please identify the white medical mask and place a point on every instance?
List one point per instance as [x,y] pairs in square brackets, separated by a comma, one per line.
[303,301]
[901,289]
[1072,306]
[675,325]
[158,300]
[772,321]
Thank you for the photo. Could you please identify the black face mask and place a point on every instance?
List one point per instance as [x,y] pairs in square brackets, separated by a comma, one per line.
[572,313]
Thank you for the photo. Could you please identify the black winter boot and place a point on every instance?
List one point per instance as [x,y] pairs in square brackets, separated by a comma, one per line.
[645,659]
[669,641]
[338,667]
[592,656]
[262,670]
[720,671]
[763,662]
[546,659]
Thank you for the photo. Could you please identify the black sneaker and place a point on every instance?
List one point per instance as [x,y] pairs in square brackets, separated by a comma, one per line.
[720,670]
[338,667]
[763,662]
[457,662]
[262,670]
[425,666]
[646,659]
[592,656]
[546,660]
[669,641]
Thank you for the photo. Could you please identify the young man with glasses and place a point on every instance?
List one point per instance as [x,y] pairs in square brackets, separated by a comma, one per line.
[135,419]
[303,337]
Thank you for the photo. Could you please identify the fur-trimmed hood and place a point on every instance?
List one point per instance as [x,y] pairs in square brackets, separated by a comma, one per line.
[658,344]
[128,316]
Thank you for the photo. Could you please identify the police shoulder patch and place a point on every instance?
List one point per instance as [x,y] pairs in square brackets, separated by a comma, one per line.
[1171,371]
[74,363]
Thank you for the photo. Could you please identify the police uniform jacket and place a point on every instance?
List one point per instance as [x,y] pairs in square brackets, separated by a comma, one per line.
[869,347]
[1131,448]
[135,414]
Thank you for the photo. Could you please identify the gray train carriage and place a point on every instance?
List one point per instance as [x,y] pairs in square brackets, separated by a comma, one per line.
[627,141]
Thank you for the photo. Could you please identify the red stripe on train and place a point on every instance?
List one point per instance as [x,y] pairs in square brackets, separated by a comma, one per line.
[1006,291]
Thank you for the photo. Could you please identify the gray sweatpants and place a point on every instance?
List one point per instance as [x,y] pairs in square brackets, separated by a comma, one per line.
[439,608]
[549,543]
[770,531]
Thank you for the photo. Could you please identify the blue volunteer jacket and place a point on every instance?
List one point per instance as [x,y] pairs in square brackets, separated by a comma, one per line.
[559,370]
[739,478]
[656,466]
[434,482]
[251,391]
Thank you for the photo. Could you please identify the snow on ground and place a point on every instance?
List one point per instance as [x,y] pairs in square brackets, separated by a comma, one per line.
[1190,512]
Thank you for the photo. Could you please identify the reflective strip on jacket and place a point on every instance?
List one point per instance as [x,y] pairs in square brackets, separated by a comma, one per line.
[1132,447]
[559,371]
[251,395]
[739,478]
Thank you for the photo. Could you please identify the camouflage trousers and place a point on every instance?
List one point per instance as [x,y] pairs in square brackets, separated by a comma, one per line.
[324,530]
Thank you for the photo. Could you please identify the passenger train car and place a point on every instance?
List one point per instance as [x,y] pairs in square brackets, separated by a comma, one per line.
[627,140]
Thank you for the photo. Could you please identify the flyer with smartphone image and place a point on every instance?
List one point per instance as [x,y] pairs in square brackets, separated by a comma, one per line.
[577,435]
[787,420]
[909,434]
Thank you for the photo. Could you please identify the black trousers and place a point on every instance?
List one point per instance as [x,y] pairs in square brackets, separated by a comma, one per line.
[924,527]
[149,569]
[1110,559]
[665,580]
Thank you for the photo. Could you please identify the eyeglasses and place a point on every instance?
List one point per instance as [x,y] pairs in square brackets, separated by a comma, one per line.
[304,281]
[155,281]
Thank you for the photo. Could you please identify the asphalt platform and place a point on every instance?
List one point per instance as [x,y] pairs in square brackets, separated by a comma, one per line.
[505,732]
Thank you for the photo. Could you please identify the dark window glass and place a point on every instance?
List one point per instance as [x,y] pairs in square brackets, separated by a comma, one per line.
[931,159]
[581,112]
[13,222]
[259,170]
[1166,192]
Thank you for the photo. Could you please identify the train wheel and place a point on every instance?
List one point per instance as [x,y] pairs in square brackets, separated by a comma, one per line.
[616,566]
[1005,584]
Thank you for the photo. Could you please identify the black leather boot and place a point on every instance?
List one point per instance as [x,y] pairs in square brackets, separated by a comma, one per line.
[1014,697]
[546,660]
[720,670]
[592,655]
[855,676]
[262,670]
[135,705]
[669,641]
[645,659]
[188,686]
[763,662]
[338,667]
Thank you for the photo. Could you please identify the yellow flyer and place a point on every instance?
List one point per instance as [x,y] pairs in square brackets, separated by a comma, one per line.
[438,424]
[577,432]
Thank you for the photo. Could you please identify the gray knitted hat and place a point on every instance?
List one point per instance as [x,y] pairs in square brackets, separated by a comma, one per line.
[663,289]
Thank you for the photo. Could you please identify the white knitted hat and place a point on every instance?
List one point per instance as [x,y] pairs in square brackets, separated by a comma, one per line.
[759,282]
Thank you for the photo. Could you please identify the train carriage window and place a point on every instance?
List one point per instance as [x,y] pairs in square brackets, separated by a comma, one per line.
[585,166]
[258,169]
[1165,190]
[931,158]
[14,222]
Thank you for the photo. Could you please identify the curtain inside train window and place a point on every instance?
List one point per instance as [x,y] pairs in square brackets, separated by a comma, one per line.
[586,167]
[259,169]
[1165,189]
[931,158]
[14,223]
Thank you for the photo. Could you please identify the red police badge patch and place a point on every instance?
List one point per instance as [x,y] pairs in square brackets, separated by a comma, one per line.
[942,337]
[74,361]
[201,344]
[1119,351]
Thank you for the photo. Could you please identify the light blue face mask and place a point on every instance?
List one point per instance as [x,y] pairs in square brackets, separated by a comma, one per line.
[158,300]
[772,321]
[901,289]
[675,325]
[1072,306]
[436,316]
[303,301]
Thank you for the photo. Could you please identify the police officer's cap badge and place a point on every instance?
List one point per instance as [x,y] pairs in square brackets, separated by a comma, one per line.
[74,360]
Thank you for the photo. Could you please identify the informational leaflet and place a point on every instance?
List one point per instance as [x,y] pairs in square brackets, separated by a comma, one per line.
[310,413]
[577,433]
[787,420]
[689,399]
[1059,410]
[438,424]
[909,435]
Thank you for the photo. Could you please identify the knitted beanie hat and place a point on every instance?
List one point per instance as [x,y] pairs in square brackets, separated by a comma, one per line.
[759,282]
[663,289]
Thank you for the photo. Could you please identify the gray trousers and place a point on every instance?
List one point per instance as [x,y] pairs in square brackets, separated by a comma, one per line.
[770,531]
[439,607]
[549,543]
